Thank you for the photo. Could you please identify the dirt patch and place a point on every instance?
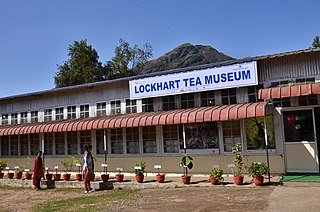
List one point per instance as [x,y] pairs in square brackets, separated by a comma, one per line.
[178,199]
[201,199]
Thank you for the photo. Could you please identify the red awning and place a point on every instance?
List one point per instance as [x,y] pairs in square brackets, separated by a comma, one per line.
[180,116]
[289,91]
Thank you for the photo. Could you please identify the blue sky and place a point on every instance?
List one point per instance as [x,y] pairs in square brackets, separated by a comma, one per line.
[35,34]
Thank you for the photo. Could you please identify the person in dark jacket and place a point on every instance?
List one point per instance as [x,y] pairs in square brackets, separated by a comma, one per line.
[88,167]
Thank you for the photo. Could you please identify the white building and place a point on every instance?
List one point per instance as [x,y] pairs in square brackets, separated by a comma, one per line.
[217,104]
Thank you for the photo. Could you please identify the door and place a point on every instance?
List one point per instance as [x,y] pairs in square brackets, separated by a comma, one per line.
[301,154]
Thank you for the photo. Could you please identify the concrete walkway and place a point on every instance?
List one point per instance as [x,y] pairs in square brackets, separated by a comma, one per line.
[171,181]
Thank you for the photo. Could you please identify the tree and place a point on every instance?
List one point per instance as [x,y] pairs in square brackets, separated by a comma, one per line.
[128,60]
[82,67]
[316,42]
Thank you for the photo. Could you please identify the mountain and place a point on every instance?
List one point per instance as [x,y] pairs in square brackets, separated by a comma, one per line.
[185,55]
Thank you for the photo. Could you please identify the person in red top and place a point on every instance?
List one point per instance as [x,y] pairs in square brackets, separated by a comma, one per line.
[88,167]
[37,170]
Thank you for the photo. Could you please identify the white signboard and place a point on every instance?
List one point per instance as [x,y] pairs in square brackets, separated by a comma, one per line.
[157,166]
[237,75]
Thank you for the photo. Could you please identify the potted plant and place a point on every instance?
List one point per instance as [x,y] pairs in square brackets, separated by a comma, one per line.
[186,163]
[56,176]
[160,177]
[48,175]
[28,175]
[105,176]
[216,176]
[18,172]
[68,166]
[238,177]
[119,176]
[139,170]
[3,165]
[79,164]
[257,170]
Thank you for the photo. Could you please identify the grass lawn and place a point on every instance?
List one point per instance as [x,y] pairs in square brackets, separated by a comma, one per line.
[100,201]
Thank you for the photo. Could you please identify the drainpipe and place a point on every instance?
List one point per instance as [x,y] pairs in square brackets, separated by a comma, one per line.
[105,148]
[266,136]
[184,147]
[42,148]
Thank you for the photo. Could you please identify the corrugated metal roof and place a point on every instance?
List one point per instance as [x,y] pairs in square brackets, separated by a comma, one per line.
[205,66]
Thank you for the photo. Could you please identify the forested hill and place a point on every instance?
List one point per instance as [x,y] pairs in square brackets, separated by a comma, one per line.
[185,55]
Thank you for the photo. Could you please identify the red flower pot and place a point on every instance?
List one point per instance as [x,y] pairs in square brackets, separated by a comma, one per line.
[66,177]
[79,177]
[139,178]
[10,175]
[93,176]
[18,175]
[119,177]
[1,175]
[49,176]
[105,177]
[213,180]
[56,177]
[186,179]
[27,176]
[160,178]
[258,181]
[238,180]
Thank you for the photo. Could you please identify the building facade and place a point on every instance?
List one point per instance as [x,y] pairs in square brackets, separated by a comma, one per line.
[127,128]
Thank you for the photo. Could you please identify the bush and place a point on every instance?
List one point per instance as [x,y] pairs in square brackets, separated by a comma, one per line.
[3,165]
[257,169]
[217,174]
[142,164]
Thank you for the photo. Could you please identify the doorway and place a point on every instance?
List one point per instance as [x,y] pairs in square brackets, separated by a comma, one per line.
[300,145]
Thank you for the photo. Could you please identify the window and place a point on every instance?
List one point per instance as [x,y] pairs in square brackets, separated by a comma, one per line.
[59,143]
[284,102]
[23,117]
[168,103]
[255,133]
[229,96]
[48,143]
[116,141]
[231,134]
[5,119]
[149,139]
[100,141]
[207,98]
[131,106]
[84,111]
[24,145]
[147,105]
[311,99]
[115,107]
[59,113]
[14,145]
[71,112]
[34,144]
[200,136]
[14,118]
[34,116]
[306,80]
[170,139]
[187,100]
[4,146]
[253,93]
[72,143]
[132,138]
[47,115]
[85,138]
[298,126]
[101,109]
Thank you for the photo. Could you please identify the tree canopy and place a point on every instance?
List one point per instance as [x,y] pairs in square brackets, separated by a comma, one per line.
[128,60]
[82,67]
[316,42]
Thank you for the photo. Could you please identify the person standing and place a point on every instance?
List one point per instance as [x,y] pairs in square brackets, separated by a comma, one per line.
[37,171]
[88,167]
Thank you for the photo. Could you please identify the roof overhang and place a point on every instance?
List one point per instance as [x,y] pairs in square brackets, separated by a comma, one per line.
[289,91]
[180,116]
